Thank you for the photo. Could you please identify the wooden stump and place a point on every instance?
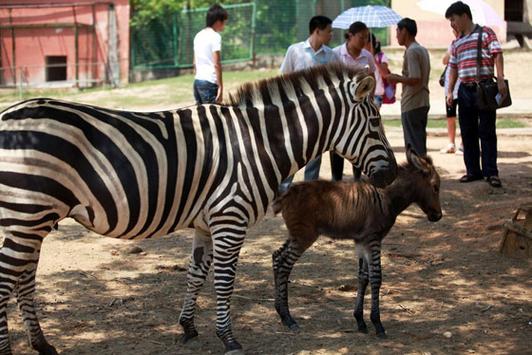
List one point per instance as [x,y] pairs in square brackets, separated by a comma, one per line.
[517,238]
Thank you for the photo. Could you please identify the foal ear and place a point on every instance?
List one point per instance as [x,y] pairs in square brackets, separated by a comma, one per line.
[364,87]
[420,163]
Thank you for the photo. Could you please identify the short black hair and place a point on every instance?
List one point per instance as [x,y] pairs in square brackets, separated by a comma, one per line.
[216,12]
[355,28]
[320,22]
[458,8]
[409,24]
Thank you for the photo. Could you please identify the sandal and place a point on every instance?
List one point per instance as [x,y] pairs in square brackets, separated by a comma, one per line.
[494,181]
[469,178]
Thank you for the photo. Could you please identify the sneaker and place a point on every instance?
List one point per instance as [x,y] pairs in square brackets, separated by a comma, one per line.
[450,149]
[460,150]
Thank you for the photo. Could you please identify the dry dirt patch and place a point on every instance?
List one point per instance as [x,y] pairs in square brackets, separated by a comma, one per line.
[95,298]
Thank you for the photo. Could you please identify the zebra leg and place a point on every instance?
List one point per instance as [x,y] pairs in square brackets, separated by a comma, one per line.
[24,292]
[200,263]
[283,262]
[227,245]
[361,292]
[375,280]
[19,256]
[8,279]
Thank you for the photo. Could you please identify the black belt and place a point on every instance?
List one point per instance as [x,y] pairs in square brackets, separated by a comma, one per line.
[469,85]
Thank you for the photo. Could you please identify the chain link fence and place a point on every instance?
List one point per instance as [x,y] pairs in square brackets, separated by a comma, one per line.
[254,29]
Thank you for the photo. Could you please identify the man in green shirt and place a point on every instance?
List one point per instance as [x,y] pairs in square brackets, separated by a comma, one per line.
[415,101]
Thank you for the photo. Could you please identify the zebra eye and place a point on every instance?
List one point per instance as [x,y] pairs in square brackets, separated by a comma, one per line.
[374,121]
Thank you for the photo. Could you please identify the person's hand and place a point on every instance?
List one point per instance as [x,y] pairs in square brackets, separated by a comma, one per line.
[393,78]
[219,94]
[449,99]
[503,89]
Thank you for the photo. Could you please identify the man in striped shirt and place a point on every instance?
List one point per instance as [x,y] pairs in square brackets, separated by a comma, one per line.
[475,123]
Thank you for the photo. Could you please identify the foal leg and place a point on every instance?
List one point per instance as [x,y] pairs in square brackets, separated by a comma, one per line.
[361,292]
[375,279]
[198,270]
[283,262]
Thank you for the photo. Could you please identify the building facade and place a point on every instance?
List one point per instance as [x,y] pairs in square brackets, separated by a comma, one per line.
[77,43]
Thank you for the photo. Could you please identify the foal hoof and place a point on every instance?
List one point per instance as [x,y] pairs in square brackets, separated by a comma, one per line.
[382,335]
[294,327]
[49,351]
[46,349]
[363,329]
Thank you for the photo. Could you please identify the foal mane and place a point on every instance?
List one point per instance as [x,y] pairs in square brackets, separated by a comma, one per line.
[248,94]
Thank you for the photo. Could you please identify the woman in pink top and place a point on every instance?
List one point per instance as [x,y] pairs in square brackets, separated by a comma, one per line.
[352,52]
[381,63]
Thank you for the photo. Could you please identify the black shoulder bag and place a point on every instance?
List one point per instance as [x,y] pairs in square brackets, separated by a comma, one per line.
[488,97]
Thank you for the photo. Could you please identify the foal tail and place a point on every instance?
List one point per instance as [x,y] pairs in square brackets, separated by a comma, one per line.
[277,204]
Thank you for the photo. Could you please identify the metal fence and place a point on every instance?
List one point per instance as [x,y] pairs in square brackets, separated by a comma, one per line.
[256,28]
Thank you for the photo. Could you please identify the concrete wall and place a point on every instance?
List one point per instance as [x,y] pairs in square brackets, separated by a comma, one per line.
[44,29]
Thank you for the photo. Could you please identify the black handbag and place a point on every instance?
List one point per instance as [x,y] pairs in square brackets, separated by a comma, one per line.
[442,77]
[488,97]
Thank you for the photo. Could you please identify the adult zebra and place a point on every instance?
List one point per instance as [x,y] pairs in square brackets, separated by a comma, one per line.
[139,175]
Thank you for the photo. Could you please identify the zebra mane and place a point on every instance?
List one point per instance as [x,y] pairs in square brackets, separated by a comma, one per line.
[247,94]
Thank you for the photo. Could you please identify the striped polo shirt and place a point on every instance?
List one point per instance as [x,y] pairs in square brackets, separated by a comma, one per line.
[464,55]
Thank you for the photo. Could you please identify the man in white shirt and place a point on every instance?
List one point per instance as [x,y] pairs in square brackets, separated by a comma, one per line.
[208,84]
[314,51]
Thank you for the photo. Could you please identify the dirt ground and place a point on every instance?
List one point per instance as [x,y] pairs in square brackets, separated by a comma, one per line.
[94,297]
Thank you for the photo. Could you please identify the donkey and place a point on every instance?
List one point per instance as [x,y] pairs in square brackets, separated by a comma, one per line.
[351,210]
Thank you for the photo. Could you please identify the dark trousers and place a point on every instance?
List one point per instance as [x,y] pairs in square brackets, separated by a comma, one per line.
[415,129]
[477,124]
[312,172]
[337,167]
[205,92]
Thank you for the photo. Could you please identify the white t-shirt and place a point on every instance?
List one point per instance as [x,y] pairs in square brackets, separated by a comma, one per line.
[206,42]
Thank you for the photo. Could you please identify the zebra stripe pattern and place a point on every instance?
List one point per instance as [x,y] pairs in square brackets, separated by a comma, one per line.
[133,175]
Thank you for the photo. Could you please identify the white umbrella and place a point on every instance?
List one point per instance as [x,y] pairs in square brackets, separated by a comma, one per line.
[482,13]
[372,16]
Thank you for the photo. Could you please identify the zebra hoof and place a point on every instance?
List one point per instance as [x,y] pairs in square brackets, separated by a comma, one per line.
[188,335]
[233,348]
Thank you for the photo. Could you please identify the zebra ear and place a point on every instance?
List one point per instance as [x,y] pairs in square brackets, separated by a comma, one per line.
[364,87]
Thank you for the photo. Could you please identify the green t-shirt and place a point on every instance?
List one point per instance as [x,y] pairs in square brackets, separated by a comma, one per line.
[416,64]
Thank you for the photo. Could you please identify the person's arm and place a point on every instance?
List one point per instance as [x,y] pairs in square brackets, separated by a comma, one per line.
[217,58]
[499,66]
[446,58]
[396,78]
[453,75]
[286,66]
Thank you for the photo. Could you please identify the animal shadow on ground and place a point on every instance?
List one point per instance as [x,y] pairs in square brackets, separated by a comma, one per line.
[94,296]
